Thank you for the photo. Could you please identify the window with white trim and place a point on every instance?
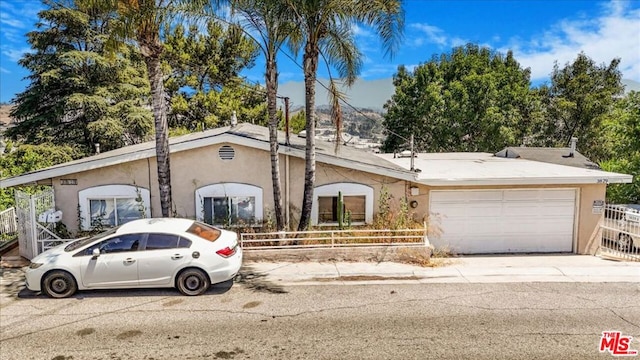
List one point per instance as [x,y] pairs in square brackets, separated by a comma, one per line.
[353,209]
[112,205]
[357,204]
[229,204]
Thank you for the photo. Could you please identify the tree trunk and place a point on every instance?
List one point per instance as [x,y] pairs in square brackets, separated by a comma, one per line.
[162,131]
[272,92]
[310,60]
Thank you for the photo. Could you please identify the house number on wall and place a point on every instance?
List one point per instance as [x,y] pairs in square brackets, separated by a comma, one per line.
[68,181]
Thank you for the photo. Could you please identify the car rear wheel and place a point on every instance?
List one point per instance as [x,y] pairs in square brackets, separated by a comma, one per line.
[59,284]
[192,282]
[624,242]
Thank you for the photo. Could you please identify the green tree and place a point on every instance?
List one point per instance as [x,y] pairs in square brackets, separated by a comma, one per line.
[26,158]
[77,95]
[202,76]
[472,99]
[620,147]
[580,95]
[273,24]
[325,29]
[297,122]
[141,21]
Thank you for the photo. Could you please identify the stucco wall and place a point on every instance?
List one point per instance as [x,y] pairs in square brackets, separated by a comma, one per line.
[196,168]
[133,173]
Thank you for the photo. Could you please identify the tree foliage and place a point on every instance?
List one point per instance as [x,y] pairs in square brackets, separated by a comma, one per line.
[473,99]
[203,80]
[620,144]
[26,158]
[580,95]
[78,95]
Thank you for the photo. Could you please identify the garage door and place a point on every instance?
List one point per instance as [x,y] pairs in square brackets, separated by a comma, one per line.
[504,221]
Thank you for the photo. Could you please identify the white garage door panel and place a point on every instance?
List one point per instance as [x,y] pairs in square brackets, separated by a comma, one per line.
[499,221]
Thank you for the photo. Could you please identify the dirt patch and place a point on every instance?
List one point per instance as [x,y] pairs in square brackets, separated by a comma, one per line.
[128,334]
[85,332]
[251,304]
[172,302]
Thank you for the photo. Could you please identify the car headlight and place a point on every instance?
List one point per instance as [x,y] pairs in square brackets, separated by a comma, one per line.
[34,265]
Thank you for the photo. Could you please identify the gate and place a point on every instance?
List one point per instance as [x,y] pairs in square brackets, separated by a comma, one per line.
[35,237]
[620,231]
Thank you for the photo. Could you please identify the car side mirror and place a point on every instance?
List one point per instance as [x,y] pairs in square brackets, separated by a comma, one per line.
[95,253]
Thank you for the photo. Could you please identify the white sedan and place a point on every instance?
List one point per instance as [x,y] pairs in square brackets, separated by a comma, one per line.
[145,253]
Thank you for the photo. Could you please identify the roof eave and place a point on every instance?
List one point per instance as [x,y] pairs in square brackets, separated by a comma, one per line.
[528,181]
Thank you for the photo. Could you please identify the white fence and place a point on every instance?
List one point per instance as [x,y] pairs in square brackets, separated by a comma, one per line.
[621,231]
[333,239]
[8,225]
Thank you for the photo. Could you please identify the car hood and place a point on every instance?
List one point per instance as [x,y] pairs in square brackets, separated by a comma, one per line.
[52,255]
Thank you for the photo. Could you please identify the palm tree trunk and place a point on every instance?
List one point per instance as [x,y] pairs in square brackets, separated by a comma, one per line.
[272,92]
[162,131]
[310,60]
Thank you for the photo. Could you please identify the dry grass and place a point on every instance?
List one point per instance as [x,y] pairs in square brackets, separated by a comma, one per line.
[425,257]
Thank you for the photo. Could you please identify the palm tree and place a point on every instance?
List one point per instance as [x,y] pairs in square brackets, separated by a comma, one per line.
[269,19]
[326,28]
[142,22]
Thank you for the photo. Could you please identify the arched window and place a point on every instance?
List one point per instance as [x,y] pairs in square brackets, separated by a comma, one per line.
[229,204]
[112,205]
[357,203]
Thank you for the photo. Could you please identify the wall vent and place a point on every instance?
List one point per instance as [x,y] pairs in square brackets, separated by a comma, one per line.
[226,152]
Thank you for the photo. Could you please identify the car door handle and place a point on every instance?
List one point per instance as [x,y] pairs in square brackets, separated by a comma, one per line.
[176,257]
[129,261]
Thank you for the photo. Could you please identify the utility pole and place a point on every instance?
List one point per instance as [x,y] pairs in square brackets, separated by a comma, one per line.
[286,120]
[411,146]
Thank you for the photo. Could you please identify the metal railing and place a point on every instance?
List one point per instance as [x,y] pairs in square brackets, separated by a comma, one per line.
[8,226]
[620,230]
[333,239]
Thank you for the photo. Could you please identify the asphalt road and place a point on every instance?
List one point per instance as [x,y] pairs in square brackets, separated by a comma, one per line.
[254,319]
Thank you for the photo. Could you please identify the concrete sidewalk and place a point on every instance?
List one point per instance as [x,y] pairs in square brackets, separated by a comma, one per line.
[472,269]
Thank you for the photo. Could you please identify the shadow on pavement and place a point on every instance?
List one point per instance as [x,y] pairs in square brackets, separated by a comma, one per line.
[216,289]
[256,281]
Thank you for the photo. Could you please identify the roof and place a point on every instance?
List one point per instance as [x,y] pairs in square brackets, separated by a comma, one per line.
[463,169]
[560,156]
[242,134]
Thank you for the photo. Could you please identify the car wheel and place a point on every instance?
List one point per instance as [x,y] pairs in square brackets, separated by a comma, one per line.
[59,284]
[192,282]
[624,242]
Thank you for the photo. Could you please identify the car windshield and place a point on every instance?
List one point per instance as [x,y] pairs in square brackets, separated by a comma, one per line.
[204,231]
[85,241]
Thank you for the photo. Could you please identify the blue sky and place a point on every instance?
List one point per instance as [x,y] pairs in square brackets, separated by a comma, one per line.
[539,33]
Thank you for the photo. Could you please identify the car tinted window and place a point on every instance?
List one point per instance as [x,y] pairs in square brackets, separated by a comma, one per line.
[162,241]
[204,231]
[184,243]
[121,243]
[82,242]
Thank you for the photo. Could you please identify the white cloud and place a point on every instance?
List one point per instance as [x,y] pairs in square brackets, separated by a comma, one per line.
[433,34]
[15,54]
[613,33]
[379,71]
[8,20]
[4,71]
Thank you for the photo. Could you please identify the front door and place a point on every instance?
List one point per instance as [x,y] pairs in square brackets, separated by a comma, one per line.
[117,264]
